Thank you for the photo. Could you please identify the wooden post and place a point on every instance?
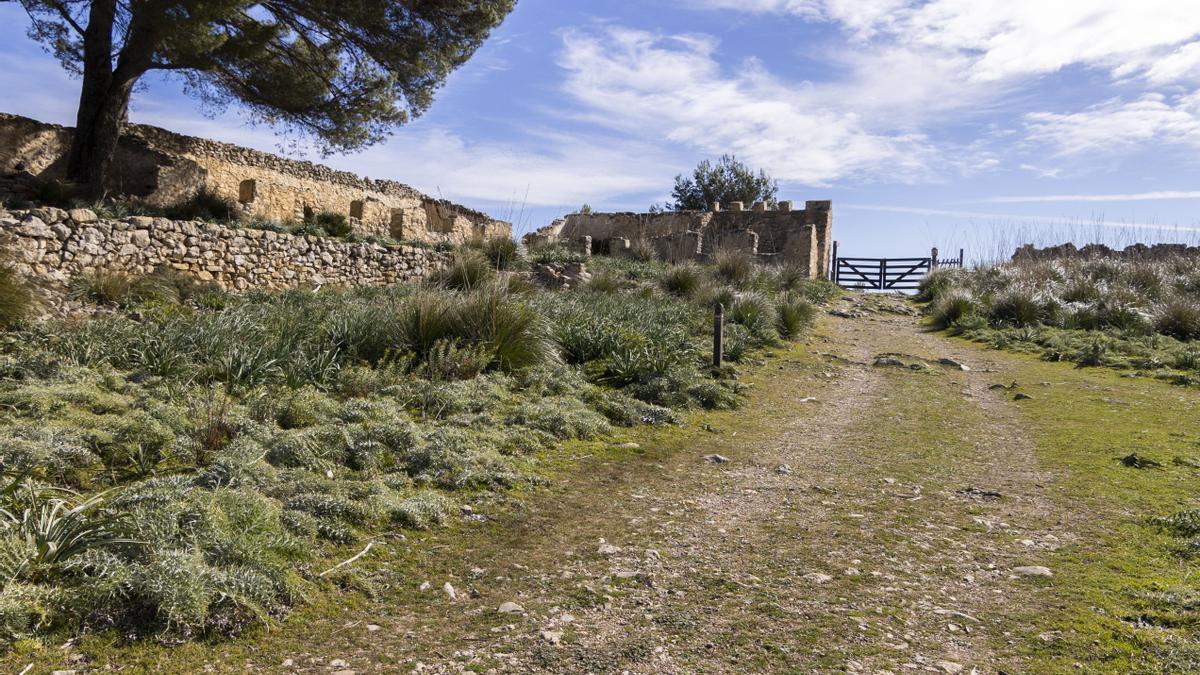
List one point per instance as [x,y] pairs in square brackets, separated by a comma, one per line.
[961,260]
[833,274]
[883,274]
[718,335]
[933,258]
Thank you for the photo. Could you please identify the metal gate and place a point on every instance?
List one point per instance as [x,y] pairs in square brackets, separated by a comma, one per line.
[887,274]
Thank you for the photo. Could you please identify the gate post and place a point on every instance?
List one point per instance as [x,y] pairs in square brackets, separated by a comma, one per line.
[933,258]
[961,260]
[883,274]
[833,274]
[718,334]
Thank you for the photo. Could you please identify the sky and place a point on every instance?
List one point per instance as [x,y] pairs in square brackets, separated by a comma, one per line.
[978,124]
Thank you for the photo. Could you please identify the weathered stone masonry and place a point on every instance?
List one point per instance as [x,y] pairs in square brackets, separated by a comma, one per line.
[781,235]
[54,246]
[165,168]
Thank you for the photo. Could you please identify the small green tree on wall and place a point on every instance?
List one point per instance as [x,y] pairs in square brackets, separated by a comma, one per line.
[341,72]
[726,181]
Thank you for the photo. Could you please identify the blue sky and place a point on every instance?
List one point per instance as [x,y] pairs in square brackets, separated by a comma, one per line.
[976,123]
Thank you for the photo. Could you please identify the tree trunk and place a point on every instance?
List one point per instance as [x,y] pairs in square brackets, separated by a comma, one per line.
[96,130]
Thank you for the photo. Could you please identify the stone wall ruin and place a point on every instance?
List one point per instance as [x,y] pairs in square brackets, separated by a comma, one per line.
[776,236]
[165,168]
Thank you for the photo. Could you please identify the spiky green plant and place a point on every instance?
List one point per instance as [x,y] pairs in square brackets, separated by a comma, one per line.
[794,315]
[55,529]
[682,280]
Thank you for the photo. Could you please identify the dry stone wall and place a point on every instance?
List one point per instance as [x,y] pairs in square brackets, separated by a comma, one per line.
[165,168]
[1069,251]
[53,245]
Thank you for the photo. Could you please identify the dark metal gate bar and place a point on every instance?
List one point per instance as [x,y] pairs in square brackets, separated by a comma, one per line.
[887,274]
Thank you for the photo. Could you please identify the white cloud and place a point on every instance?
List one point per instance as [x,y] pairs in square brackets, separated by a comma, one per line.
[1119,125]
[1058,221]
[1007,38]
[672,87]
[562,170]
[1128,197]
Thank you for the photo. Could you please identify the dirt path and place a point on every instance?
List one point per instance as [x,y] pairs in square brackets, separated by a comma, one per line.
[869,519]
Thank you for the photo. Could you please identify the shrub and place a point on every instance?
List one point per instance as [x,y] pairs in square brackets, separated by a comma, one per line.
[605,281]
[757,314]
[105,287]
[54,193]
[794,315]
[516,334]
[564,417]
[641,249]
[205,205]
[17,299]
[736,344]
[469,269]
[1017,307]
[546,255]
[950,308]
[682,280]
[938,283]
[502,252]
[44,533]
[733,267]
[1081,290]
[423,510]
[451,360]
[331,223]
[1179,318]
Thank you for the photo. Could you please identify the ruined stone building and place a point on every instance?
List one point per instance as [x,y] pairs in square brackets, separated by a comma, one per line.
[781,235]
[165,168]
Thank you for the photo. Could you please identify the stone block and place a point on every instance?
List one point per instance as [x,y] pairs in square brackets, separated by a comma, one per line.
[82,215]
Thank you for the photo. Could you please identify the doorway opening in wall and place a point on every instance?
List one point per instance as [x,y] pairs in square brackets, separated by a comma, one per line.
[247,191]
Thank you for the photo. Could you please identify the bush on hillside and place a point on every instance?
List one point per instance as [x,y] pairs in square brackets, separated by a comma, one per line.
[1179,318]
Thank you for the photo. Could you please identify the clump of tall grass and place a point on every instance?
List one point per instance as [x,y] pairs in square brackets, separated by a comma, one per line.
[17,299]
[733,267]
[467,269]
[502,252]
[757,314]
[1179,318]
[1021,307]
[682,280]
[105,287]
[951,307]
[794,315]
[937,283]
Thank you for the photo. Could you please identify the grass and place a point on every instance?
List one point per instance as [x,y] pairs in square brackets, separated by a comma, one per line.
[1139,315]
[1123,588]
[239,440]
